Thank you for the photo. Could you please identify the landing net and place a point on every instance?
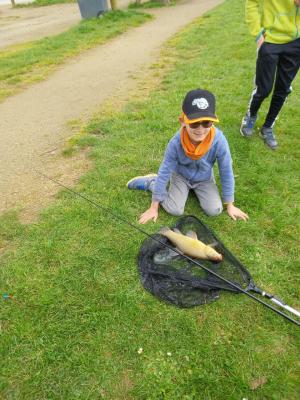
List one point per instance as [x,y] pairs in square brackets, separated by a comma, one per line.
[176,280]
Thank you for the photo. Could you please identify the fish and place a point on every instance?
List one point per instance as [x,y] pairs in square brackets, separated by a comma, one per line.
[190,245]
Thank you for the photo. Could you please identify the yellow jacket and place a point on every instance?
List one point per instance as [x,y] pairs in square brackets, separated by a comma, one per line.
[278,20]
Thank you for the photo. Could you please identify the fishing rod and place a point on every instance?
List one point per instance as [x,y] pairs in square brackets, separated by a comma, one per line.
[108,211]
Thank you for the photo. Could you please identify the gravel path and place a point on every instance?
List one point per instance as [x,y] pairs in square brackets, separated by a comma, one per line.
[19,25]
[33,123]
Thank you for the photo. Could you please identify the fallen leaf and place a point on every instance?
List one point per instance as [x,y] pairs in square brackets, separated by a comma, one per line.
[258,382]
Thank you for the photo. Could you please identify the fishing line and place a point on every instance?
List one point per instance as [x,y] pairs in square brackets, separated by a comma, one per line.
[108,211]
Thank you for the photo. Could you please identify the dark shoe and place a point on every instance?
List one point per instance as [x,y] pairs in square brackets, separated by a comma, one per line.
[248,125]
[141,182]
[269,138]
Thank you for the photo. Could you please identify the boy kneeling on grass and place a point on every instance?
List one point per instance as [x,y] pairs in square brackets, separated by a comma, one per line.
[188,164]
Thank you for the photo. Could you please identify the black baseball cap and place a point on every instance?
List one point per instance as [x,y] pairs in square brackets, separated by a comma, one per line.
[199,105]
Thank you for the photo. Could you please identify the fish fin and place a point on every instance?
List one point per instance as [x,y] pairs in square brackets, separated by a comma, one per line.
[178,251]
[173,253]
[192,234]
[213,244]
[163,230]
[176,230]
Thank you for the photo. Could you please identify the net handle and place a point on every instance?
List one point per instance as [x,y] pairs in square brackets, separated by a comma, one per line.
[119,218]
[277,301]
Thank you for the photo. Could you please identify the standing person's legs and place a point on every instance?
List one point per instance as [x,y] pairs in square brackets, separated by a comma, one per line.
[177,195]
[267,59]
[288,66]
[208,195]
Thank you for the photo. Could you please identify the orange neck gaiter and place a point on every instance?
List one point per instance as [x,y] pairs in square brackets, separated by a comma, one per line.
[196,152]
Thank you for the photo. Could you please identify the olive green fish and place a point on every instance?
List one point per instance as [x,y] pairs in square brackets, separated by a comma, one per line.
[190,245]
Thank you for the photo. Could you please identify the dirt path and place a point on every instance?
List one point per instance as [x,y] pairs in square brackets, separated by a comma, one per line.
[18,25]
[25,24]
[33,123]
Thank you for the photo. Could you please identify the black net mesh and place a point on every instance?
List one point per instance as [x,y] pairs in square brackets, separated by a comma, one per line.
[174,279]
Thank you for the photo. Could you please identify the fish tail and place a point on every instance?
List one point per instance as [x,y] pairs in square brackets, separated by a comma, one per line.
[164,230]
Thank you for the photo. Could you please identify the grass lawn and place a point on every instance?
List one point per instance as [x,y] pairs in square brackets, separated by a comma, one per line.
[23,64]
[80,315]
[151,4]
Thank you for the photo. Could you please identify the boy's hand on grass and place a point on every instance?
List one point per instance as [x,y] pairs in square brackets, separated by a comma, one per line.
[151,213]
[148,215]
[235,213]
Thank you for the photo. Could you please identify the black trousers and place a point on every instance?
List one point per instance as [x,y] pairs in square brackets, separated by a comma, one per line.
[277,65]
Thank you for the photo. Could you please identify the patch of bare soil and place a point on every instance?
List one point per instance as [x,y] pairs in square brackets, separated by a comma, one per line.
[34,123]
[19,25]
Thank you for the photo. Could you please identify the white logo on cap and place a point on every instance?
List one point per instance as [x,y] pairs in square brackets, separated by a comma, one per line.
[201,103]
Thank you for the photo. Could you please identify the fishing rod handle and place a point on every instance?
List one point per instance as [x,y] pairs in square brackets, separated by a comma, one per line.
[285,306]
[275,300]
